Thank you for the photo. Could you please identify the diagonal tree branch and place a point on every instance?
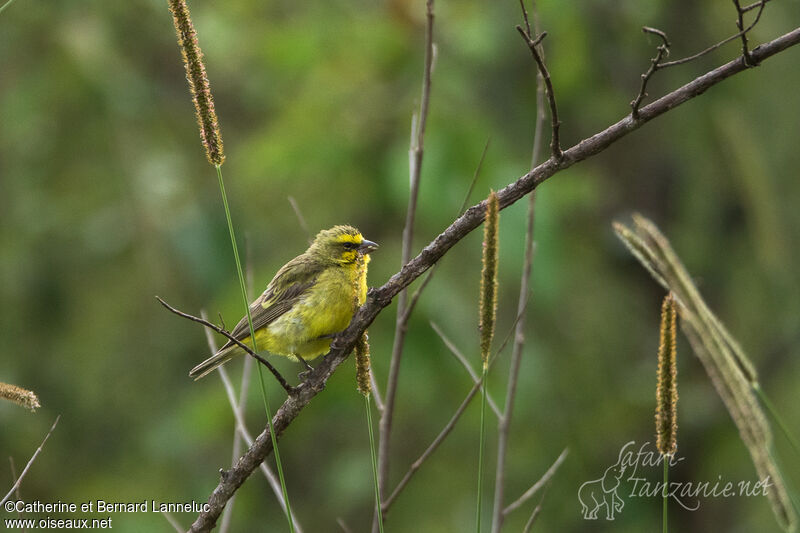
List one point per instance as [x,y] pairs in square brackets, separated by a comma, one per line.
[462,226]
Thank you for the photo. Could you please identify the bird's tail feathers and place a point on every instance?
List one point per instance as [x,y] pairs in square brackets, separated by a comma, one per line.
[210,364]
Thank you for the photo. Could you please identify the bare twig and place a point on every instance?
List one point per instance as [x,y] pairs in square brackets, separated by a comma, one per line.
[450,425]
[536,510]
[432,271]
[14,479]
[379,298]
[288,388]
[227,515]
[528,494]
[301,219]
[504,421]
[416,151]
[754,5]
[242,430]
[463,360]
[343,525]
[432,448]
[760,5]
[173,522]
[740,24]
[22,474]
[662,51]
[533,46]
[4,6]
[376,393]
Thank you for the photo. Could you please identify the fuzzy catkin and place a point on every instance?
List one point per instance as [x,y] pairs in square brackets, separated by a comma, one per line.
[198,82]
[22,397]
[363,365]
[667,389]
[488,305]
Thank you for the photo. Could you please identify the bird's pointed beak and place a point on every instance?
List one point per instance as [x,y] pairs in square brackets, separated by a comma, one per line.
[367,246]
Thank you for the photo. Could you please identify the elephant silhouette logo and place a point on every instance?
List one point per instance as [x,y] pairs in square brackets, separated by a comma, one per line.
[596,494]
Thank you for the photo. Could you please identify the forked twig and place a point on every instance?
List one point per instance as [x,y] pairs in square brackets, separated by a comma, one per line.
[533,46]
[288,388]
[662,51]
[759,5]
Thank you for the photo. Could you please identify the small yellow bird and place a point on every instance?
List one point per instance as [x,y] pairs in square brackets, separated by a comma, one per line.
[311,299]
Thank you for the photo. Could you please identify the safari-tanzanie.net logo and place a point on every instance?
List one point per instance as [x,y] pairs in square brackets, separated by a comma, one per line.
[635,475]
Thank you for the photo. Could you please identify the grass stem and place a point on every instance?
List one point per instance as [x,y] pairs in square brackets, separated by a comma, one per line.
[480,448]
[766,402]
[373,455]
[255,348]
[4,6]
[665,493]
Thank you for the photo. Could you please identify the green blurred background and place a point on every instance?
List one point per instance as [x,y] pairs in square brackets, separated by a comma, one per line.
[107,200]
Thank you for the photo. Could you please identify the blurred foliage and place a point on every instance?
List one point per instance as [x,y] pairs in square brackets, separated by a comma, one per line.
[107,200]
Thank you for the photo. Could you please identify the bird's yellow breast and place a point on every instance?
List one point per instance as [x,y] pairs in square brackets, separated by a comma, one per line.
[326,309]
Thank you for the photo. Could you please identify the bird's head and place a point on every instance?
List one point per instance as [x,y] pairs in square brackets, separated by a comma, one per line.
[341,245]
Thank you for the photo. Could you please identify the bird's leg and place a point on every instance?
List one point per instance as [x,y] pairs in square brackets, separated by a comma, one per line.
[303,375]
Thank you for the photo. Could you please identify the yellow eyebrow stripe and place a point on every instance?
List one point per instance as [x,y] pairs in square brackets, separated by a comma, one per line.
[346,237]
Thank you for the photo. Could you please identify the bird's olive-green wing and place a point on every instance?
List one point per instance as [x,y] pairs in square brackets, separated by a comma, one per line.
[283,292]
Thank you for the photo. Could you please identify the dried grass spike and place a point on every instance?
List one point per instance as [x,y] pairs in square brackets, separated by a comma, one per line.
[667,389]
[22,397]
[488,307]
[198,82]
[363,365]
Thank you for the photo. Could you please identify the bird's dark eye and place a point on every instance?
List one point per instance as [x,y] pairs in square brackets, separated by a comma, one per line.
[350,245]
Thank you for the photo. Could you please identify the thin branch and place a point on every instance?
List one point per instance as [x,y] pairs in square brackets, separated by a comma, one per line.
[376,393]
[288,388]
[432,448]
[448,428]
[4,6]
[754,5]
[301,219]
[18,482]
[504,421]
[227,515]
[536,511]
[760,5]
[173,522]
[242,430]
[14,479]
[528,494]
[740,24]
[432,271]
[463,360]
[533,46]
[662,51]
[379,298]
[343,525]
[416,151]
